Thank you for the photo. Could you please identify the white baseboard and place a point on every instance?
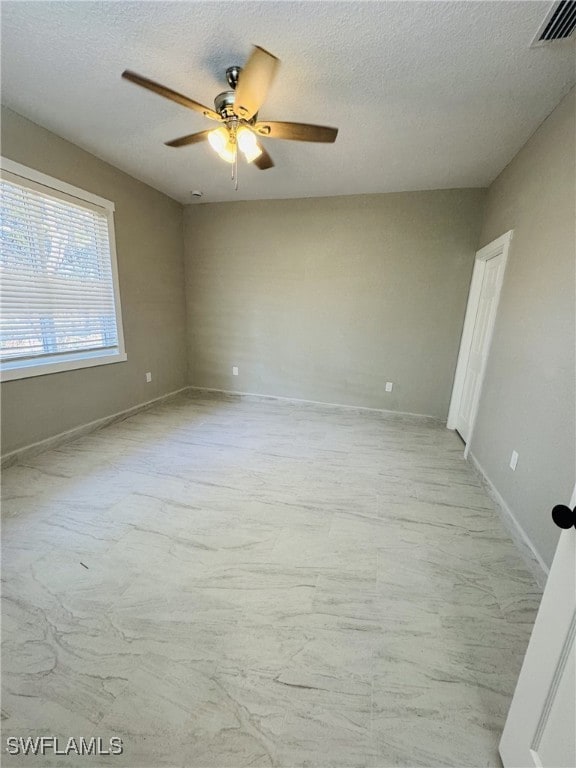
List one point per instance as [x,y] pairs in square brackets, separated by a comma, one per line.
[83,429]
[258,396]
[530,554]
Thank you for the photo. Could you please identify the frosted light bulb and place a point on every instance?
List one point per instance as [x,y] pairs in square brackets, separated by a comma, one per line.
[220,142]
[248,144]
[228,152]
[218,139]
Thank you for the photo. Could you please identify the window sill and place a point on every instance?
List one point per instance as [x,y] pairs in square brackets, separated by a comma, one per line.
[58,364]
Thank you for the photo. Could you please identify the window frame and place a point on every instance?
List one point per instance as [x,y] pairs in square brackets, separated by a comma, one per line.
[69,361]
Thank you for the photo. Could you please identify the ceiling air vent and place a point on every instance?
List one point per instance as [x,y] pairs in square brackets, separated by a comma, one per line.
[559,24]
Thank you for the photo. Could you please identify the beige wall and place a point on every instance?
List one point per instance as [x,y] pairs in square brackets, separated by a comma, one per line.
[149,244]
[529,394]
[327,299]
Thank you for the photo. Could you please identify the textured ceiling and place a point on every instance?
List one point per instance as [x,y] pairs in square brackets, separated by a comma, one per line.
[426,94]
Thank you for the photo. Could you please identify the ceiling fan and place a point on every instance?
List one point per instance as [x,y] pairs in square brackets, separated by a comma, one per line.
[237,111]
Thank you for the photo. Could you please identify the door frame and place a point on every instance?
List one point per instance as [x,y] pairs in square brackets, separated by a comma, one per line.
[498,247]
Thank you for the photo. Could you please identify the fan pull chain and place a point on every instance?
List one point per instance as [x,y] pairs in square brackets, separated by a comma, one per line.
[235,171]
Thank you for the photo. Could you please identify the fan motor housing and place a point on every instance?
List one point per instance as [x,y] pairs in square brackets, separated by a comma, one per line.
[224,104]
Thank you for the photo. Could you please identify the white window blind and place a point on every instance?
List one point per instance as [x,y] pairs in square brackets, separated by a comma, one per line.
[57,283]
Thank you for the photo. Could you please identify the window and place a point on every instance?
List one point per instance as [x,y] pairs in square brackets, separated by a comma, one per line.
[60,305]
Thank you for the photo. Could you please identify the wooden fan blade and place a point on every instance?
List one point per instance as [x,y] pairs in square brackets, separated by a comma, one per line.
[192,138]
[254,83]
[263,161]
[296,131]
[168,93]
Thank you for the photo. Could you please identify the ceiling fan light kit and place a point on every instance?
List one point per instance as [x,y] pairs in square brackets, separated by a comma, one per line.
[237,111]
[227,141]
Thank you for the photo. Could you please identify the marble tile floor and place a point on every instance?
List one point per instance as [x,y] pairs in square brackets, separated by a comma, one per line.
[226,582]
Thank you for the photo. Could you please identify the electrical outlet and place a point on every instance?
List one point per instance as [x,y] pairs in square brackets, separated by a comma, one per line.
[148,377]
[389,386]
[513,461]
[234,370]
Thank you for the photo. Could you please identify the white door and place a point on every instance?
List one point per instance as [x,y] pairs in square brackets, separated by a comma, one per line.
[480,344]
[541,725]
